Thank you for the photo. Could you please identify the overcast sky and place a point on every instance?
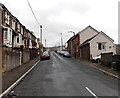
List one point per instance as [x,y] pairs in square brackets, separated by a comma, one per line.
[61,16]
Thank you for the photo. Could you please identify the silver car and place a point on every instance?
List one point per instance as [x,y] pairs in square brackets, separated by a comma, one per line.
[66,54]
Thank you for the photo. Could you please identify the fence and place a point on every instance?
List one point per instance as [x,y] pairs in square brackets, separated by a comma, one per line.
[106,58]
[111,60]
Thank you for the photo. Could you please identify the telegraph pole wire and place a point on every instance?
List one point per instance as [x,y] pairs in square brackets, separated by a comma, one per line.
[33,13]
[40,26]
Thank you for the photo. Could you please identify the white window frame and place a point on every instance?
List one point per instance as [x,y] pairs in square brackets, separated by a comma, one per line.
[18,27]
[6,35]
[102,47]
[7,18]
[17,38]
[13,24]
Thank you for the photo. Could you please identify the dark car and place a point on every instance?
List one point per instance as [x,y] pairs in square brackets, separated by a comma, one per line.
[45,55]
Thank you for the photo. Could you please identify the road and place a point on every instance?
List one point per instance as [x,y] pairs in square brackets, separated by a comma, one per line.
[61,76]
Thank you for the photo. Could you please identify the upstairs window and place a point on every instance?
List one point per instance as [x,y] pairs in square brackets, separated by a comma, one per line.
[5,34]
[101,46]
[7,18]
[13,24]
[18,39]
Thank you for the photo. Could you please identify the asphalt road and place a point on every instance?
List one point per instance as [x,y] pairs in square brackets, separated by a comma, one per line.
[61,76]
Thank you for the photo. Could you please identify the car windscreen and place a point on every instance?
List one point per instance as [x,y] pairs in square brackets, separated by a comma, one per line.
[45,53]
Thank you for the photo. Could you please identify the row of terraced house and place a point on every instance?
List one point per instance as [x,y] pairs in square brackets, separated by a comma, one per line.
[18,44]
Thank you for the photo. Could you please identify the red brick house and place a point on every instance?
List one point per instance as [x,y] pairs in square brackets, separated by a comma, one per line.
[73,46]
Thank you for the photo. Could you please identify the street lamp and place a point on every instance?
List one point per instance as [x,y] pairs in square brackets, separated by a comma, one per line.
[71,32]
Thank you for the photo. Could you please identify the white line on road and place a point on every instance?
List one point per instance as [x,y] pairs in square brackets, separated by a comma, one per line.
[14,84]
[91,92]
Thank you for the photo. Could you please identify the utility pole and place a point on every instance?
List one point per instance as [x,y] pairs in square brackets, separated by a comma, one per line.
[41,33]
[61,41]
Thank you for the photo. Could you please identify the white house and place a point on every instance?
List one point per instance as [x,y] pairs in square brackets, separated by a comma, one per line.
[93,43]
[87,33]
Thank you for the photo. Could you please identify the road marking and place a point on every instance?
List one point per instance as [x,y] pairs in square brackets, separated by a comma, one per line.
[91,92]
[15,84]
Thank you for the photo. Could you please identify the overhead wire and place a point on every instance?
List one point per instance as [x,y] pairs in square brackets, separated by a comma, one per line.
[33,13]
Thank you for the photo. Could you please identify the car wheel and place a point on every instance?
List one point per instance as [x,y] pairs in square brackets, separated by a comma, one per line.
[98,60]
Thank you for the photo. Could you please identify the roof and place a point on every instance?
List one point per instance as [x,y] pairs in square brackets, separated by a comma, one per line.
[73,37]
[107,36]
[87,28]
[70,39]
[88,40]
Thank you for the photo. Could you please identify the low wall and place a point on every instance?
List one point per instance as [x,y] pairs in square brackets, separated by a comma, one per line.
[33,53]
[106,59]
[111,60]
[1,58]
[26,56]
[11,59]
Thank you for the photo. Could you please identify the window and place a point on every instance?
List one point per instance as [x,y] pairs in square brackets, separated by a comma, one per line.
[13,24]
[18,39]
[21,30]
[18,27]
[101,46]
[7,18]
[10,35]
[5,34]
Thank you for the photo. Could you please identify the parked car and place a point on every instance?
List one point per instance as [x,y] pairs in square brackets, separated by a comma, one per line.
[66,54]
[96,59]
[45,55]
[58,51]
[61,52]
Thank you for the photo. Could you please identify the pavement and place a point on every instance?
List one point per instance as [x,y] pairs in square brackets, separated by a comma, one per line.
[106,69]
[8,78]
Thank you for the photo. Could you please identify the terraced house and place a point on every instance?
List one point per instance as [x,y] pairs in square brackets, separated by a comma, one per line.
[17,44]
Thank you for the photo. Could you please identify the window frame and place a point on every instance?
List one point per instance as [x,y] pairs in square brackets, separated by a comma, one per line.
[5,34]
[101,46]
